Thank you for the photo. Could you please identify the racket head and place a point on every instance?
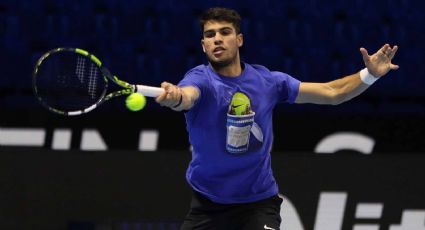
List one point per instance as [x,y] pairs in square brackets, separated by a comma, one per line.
[71,81]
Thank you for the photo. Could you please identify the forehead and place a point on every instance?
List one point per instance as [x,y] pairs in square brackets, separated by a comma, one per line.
[216,25]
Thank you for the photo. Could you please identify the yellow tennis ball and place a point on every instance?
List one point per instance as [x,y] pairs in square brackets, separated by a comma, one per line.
[135,101]
[241,104]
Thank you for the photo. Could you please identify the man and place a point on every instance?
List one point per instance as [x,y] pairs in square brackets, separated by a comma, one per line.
[236,190]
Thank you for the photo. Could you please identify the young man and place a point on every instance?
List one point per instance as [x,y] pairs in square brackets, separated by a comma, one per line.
[236,189]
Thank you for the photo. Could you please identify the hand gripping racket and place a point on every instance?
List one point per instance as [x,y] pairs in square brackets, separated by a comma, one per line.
[71,81]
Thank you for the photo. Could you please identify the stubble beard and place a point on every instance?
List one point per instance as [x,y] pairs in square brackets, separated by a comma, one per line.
[218,65]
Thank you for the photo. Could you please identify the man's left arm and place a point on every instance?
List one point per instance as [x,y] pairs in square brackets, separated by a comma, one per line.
[343,89]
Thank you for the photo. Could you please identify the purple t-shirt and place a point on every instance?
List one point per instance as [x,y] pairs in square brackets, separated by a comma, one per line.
[214,172]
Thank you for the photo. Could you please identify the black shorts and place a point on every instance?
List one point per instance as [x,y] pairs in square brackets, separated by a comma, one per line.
[205,214]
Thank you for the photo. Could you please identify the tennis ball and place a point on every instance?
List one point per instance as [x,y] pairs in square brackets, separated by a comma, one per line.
[240,104]
[135,102]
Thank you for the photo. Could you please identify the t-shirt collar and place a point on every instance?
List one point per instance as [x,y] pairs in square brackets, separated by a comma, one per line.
[237,78]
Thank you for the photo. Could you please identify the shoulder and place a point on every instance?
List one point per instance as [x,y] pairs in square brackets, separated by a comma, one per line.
[266,72]
[196,77]
[257,68]
[198,70]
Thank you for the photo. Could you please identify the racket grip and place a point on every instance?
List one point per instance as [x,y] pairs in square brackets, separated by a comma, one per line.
[148,91]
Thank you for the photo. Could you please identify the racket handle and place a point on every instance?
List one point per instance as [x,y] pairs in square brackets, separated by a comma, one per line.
[148,91]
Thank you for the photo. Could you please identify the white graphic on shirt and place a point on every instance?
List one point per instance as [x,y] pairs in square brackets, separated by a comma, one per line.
[238,136]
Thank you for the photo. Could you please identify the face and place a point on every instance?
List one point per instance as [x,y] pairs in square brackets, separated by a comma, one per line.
[221,43]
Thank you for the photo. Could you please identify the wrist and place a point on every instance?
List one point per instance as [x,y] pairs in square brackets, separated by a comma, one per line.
[180,100]
[367,77]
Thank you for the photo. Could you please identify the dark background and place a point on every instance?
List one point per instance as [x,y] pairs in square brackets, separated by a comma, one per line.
[146,190]
[149,42]
[153,41]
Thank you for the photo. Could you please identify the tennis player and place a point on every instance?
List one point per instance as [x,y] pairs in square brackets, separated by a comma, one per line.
[236,189]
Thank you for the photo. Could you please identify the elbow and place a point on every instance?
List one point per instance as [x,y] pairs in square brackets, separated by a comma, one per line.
[334,96]
[337,102]
[337,98]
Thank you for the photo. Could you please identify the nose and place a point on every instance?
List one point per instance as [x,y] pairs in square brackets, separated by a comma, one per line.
[218,39]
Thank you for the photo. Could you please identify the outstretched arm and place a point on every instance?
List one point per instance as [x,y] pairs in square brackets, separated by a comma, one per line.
[346,88]
[177,98]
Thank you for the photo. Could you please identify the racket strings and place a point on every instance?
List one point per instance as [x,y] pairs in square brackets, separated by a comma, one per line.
[92,80]
[91,75]
[79,70]
[67,81]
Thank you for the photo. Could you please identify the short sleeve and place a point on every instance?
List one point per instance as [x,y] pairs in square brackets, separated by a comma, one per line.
[287,86]
[197,78]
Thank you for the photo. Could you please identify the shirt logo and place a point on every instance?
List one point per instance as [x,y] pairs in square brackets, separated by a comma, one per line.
[235,106]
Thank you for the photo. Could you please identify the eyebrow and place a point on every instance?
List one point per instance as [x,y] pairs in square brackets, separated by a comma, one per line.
[222,28]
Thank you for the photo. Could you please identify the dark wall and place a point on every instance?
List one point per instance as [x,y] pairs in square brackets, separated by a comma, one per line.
[153,41]
[147,190]
[150,42]
[401,132]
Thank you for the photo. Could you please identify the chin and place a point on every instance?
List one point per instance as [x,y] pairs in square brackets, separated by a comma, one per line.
[220,63]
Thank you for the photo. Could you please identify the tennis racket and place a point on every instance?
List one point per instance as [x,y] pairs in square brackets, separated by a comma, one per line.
[71,81]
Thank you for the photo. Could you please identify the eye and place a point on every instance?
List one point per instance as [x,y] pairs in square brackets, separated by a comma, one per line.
[226,32]
[209,34]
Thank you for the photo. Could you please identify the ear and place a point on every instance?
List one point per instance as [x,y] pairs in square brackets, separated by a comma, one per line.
[239,38]
[203,46]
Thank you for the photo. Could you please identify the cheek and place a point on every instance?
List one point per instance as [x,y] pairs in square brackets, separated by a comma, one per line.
[207,47]
[234,44]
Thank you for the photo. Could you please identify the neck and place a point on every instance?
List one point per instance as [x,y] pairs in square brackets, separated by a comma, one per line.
[232,69]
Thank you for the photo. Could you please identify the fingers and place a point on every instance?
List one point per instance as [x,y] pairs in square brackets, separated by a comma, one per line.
[394,67]
[388,51]
[365,55]
[163,95]
[384,48]
[392,52]
[170,96]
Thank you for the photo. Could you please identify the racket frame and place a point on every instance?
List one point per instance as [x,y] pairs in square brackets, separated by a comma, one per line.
[127,88]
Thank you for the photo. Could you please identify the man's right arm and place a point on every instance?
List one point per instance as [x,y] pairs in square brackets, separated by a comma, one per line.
[178,98]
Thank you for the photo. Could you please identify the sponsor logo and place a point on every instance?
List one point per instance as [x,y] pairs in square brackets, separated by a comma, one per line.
[236,106]
[331,214]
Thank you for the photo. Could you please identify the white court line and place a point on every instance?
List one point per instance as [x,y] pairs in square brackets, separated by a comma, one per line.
[22,136]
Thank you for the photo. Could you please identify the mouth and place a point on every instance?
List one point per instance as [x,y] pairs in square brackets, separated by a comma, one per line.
[218,50]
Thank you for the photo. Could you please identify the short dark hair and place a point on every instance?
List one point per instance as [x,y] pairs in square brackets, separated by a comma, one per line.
[221,14]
